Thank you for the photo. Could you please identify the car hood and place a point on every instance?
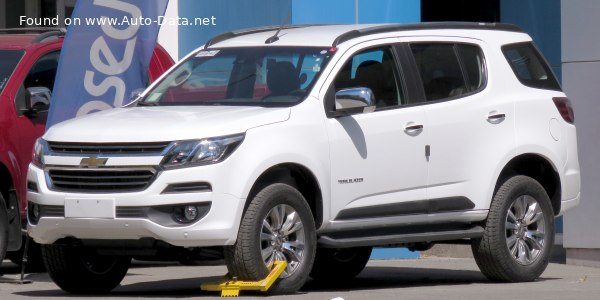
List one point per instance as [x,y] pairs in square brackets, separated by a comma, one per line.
[152,124]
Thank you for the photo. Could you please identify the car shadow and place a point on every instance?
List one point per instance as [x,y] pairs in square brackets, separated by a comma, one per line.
[372,278]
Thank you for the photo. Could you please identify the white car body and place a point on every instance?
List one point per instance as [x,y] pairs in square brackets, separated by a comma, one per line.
[370,171]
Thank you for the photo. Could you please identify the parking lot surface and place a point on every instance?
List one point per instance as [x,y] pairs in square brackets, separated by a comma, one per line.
[428,278]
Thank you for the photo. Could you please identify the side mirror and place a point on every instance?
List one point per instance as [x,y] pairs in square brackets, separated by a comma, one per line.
[37,100]
[354,100]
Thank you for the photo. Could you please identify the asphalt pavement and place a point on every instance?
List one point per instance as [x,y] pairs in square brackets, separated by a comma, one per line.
[427,278]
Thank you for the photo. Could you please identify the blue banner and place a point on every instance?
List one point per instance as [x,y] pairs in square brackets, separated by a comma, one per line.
[105,55]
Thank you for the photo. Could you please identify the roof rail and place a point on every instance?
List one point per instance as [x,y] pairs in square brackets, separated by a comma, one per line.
[231,34]
[424,26]
[44,33]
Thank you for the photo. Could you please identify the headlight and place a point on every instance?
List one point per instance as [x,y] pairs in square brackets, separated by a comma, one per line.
[201,152]
[40,148]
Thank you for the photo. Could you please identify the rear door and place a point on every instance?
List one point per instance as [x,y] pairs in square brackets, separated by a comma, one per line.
[470,128]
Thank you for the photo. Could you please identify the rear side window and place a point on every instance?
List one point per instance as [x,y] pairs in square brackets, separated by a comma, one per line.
[530,67]
[449,70]
[474,66]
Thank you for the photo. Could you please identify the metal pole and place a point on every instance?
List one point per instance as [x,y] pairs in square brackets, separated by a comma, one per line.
[356,9]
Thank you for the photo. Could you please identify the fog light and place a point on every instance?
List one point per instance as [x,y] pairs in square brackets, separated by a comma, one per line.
[186,214]
[190,213]
[33,212]
[36,211]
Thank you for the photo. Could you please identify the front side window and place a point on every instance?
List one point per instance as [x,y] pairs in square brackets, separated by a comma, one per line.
[8,62]
[252,76]
[530,67]
[38,84]
[43,73]
[374,69]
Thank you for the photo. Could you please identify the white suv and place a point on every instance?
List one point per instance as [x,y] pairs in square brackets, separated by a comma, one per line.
[312,144]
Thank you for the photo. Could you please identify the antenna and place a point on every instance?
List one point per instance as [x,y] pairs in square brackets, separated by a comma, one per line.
[275,37]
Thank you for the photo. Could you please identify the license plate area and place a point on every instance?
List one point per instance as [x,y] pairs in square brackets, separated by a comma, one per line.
[90,208]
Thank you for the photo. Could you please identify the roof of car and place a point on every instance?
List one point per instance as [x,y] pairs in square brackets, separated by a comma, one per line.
[333,35]
[21,38]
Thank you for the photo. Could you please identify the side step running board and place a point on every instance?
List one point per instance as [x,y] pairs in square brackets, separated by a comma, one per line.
[393,239]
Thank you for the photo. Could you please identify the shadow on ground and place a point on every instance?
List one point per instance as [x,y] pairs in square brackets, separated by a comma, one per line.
[373,277]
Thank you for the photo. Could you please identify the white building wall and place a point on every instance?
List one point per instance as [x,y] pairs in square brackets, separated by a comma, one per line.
[581,82]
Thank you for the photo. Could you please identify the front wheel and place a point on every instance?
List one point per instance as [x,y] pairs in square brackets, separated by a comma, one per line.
[79,270]
[519,232]
[277,225]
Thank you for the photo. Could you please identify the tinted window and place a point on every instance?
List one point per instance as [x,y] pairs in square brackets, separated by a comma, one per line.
[43,72]
[376,70]
[440,70]
[8,61]
[474,66]
[530,67]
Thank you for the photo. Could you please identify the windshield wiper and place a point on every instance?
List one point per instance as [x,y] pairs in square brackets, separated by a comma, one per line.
[142,103]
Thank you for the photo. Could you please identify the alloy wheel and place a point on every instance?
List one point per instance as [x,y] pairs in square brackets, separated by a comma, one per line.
[525,230]
[283,237]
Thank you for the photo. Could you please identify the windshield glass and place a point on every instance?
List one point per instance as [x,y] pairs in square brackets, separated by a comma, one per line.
[8,61]
[254,76]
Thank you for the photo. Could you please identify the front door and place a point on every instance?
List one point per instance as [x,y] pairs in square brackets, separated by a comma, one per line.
[378,161]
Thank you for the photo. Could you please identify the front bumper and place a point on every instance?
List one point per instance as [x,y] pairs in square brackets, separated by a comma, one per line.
[218,227]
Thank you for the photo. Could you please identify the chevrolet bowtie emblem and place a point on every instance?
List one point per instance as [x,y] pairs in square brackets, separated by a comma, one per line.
[93,162]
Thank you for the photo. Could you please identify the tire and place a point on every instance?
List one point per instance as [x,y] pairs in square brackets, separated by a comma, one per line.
[519,232]
[339,264]
[78,270]
[275,210]
[3,228]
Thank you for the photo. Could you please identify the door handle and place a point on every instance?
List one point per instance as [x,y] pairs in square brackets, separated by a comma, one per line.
[412,129]
[496,117]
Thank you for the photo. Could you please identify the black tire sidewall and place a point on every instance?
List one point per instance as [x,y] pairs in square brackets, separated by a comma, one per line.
[509,192]
[65,265]
[268,198]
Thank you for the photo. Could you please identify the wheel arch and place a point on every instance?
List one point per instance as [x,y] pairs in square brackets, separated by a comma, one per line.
[539,168]
[13,208]
[6,183]
[298,176]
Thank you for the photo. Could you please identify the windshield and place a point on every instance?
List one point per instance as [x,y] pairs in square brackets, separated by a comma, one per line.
[8,61]
[254,76]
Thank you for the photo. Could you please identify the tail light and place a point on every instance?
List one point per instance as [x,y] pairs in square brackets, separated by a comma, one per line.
[564,108]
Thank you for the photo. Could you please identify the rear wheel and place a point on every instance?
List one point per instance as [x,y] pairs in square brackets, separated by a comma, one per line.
[519,232]
[78,270]
[339,264]
[278,225]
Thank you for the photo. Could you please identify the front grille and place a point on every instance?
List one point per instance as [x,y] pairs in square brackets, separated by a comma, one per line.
[100,180]
[112,148]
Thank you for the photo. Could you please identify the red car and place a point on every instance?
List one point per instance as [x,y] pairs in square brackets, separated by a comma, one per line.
[28,63]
